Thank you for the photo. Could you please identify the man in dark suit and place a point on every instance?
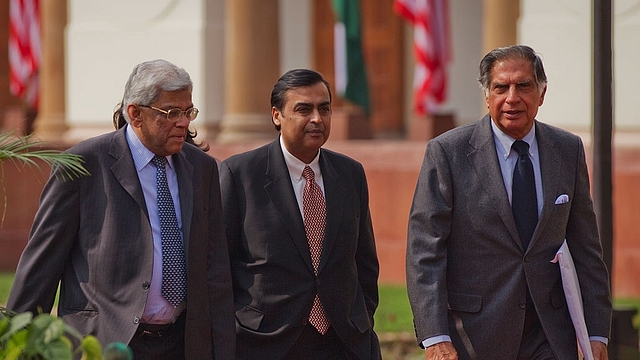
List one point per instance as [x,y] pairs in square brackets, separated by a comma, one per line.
[104,237]
[296,298]
[479,273]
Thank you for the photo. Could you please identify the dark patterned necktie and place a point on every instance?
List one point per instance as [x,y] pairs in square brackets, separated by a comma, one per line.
[315,214]
[524,203]
[174,276]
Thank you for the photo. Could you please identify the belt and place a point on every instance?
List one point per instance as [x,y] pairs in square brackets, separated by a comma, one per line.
[159,330]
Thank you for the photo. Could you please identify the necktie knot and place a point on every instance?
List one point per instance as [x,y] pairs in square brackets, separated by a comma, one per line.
[159,161]
[308,174]
[521,147]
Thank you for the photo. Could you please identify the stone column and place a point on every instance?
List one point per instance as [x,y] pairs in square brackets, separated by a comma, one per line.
[252,66]
[50,124]
[499,27]
[500,24]
[104,40]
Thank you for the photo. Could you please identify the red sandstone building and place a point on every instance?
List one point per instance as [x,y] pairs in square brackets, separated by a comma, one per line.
[390,142]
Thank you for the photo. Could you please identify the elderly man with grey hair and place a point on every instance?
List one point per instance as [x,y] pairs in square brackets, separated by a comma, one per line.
[495,200]
[138,247]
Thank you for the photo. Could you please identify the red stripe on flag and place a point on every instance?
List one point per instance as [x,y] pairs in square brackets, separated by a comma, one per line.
[24,49]
[431,49]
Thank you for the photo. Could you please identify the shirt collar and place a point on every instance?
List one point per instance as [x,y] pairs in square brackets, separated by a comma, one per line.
[295,166]
[504,141]
[141,155]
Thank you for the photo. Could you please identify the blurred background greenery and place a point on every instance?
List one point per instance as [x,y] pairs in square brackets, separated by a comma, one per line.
[6,279]
[393,319]
[393,315]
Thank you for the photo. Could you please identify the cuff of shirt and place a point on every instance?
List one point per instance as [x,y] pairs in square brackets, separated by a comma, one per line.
[442,338]
[599,338]
[435,340]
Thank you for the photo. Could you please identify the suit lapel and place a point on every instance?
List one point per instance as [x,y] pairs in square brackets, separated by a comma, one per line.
[278,188]
[550,162]
[485,162]
[184,173]
[123,167]
[334,195]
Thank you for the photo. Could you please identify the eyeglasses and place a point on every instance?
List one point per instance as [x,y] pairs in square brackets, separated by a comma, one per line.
[173,115]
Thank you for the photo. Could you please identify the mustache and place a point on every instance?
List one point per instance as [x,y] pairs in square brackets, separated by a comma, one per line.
[314,128]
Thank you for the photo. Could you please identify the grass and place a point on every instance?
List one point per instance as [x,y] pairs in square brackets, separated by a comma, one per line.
[393,315]
[393,320]
[394,312]
[6,279]
[630,304]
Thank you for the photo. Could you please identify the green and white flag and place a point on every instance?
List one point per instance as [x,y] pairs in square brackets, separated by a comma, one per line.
[350,71]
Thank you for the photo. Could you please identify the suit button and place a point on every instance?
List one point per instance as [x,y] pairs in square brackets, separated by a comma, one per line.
[136,320]
[305,321]
[146,285]
[318,281]
[523,304]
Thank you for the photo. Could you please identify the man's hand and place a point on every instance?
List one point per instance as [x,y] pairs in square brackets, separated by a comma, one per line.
[443,351]
[599,350]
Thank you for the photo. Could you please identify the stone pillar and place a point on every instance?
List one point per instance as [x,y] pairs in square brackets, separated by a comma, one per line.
[50,124]
[500,27]
[106,39]
[500,24]
[564,40]
[252,65]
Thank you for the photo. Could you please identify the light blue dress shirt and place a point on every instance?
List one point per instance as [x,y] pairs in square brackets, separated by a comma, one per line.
[157,310]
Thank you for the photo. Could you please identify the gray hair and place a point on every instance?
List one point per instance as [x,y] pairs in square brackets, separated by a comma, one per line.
[512,52]
[146,82]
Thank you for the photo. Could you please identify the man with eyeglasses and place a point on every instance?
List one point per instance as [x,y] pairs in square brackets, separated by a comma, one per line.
[138,247]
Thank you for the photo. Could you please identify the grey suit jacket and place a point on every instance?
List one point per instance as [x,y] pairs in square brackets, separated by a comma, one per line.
[467,272]
[273,278]
[93,234]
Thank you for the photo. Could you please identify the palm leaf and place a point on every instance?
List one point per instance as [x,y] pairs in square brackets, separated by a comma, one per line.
[26,151]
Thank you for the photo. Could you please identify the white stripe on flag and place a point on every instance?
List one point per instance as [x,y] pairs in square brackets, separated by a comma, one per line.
[340,57]
[431,48]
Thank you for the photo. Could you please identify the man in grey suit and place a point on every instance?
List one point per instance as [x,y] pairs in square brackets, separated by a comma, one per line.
[480,280]
[104,238]
[302,291]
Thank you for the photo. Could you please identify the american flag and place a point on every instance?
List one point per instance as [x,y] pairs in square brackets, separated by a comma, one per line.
[430,20]
[24,49]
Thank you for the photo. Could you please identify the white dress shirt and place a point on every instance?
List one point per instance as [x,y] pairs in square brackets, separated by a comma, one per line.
[295,167]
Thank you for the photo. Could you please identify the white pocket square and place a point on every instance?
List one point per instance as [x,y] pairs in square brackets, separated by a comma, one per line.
[562,199]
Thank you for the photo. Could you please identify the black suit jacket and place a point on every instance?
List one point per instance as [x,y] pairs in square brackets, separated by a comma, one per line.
[274,282]
[93,234]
